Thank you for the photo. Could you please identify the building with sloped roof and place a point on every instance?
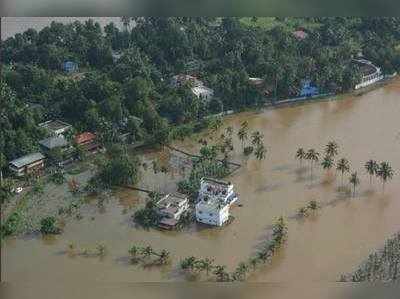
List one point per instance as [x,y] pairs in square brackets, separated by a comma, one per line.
[88,141]
[28,164]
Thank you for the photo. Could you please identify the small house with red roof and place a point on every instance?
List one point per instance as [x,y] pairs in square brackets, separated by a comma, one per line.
[88,141]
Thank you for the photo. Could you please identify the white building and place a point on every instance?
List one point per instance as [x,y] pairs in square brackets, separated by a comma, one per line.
[56,127]
[171,207]
[198,88]
[215,199]
[202,92]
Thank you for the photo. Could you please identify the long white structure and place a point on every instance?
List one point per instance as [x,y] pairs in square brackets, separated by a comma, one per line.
[373,75]
[215,199]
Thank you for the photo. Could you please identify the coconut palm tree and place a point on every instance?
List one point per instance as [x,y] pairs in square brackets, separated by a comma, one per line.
[229,131]
[256,138]
[243,132]
[163,257]
[207,265]
[220,272]
[313,156]
[241,271]
[343,166]
[134,252]
[371,167]
[331,149]
[260,152]
[147,251]
[126,22]
[253,262]
[300,155]
[101,249]
[355,181]
[216,124]
[327,163]
[263,255]
[188,263]
[385,173]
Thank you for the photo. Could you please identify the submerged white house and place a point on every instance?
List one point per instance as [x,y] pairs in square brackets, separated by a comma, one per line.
[215,199]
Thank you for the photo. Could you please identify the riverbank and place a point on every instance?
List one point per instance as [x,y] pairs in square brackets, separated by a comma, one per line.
[314,99]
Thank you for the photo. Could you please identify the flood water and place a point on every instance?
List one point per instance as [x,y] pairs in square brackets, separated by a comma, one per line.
[318,249]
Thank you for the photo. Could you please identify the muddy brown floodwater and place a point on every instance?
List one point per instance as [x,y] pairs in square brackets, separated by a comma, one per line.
[318,249]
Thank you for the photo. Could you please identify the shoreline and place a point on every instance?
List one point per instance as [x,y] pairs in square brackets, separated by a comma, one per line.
[307,100]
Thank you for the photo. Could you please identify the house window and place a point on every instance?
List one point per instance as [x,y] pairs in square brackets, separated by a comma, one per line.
[211,214]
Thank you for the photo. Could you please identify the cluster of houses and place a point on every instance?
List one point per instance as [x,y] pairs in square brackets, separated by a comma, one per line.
[212,208]
[370,74]
[34,163]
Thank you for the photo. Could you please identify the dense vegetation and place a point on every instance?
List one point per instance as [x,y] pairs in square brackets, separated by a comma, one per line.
[133,94]
[381,266]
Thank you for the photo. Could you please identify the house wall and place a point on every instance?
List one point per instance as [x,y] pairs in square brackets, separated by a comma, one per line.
[27,169]
[212,217]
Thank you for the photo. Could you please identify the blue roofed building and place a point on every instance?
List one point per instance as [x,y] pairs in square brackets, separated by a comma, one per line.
[69,66]
[308,89]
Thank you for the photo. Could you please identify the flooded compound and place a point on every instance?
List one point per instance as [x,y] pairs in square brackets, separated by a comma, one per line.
[335,240]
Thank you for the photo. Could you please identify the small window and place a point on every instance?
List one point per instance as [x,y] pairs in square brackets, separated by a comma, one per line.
[211,214]
[200,212]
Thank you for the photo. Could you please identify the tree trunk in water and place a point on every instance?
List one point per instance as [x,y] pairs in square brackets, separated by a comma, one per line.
[396,265]
[342,178]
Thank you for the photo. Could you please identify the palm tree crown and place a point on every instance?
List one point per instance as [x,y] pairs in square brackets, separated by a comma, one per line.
[371,167]
[327,162]
[355,181]
[300,154]
[242,133]
[385,173]
[312,155]
[260,152]
[331,149]
[256,138]
[343,166]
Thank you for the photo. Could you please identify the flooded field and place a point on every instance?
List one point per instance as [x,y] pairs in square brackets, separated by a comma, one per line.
[318,249]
